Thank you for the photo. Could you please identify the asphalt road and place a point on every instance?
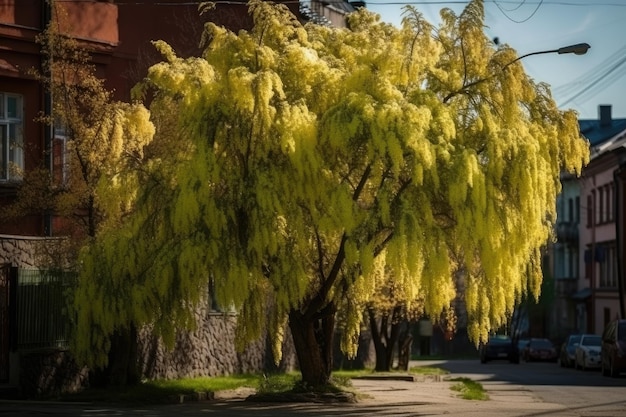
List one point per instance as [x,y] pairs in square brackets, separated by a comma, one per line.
[585,393]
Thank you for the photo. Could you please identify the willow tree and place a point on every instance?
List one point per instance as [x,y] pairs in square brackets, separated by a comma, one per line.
[313,159]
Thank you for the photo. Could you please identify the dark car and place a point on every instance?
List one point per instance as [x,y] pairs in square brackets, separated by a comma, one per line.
[613,352]
[499,348]
[521,345]
[539,350]
[568,350]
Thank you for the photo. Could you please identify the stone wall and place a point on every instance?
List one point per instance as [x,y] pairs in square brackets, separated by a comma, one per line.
[49,373]
[209,351]
[34,252]
[18,251]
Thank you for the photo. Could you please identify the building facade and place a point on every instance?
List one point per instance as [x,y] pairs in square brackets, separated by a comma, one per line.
[564,259]
[587,255]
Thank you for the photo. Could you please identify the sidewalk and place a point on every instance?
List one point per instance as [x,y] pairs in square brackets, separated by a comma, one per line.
[425,396]
[434,397]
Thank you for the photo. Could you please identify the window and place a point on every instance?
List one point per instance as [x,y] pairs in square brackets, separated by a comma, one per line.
[607,316]
[60,158]
[601,213]
[608,192]
[606,257]
[573,259]
[11,144]
[590,210]
[570,210]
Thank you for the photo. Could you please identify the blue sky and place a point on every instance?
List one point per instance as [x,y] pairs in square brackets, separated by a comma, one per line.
[580,82]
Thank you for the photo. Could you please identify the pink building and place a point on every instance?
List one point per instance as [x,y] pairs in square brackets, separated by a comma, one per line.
[599,296]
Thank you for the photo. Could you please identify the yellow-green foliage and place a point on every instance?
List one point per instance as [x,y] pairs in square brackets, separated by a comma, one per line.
[297,146]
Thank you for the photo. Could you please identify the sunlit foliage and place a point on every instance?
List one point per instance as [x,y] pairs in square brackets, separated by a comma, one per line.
[310,160]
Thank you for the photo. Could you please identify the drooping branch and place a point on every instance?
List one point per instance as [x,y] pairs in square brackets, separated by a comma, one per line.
[333,275]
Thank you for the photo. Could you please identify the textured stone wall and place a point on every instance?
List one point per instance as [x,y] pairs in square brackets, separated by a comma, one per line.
[18,251]
[49,373]
[33,252]
[209,351]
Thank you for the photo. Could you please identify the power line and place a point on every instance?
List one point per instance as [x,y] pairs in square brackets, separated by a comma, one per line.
[514,8]
[601,79]
[594,80]
[520,5]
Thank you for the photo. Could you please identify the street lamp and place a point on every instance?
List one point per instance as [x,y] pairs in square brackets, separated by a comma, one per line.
[577,49]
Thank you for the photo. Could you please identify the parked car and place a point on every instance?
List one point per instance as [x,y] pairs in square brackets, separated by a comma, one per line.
[539,350]
[522,344]
[499,347]
[567,355]
[613,352]
[588,352]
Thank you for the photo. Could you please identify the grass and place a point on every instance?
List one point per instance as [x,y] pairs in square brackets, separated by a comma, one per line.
[427,370]
[291,382]
[162,391]
[469,390]
[414,370]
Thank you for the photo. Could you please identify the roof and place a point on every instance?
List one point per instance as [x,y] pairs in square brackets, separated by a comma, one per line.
[344,6]
[597,133]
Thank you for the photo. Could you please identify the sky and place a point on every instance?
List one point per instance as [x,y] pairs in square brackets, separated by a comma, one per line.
[579,82]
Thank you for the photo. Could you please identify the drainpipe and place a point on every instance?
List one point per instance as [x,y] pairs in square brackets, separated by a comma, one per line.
[46,17]
[591,327]
[618,203]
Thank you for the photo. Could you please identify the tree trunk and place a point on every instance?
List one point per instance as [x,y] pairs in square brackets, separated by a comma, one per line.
[122,368]
[385,338]
[313,341]
[405,341]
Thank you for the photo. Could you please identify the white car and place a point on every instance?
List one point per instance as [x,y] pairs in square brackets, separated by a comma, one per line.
[588,352]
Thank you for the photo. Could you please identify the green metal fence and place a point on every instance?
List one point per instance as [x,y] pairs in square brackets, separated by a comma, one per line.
[42,301]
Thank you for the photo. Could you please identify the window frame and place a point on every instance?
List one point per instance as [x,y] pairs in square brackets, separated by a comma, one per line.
[12,138]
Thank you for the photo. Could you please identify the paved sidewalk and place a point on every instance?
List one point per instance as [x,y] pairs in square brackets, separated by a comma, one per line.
[433,398]
[426,396]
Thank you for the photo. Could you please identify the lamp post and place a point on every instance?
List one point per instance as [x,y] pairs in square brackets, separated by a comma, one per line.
[577,49]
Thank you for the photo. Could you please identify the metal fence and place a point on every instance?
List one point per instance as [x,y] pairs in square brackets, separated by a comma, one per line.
[42,302]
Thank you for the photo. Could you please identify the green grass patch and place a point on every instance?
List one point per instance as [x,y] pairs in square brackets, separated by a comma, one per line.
[275,383]
[352,373]
[204,384]
[414,370]
[166,391]
[469,390]
[427,370]
[292,382]
[162,391]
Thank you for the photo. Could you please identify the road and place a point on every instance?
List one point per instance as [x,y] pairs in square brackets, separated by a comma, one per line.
[583,392]
[527,389]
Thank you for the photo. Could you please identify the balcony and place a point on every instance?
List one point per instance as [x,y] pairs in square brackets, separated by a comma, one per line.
[567,233]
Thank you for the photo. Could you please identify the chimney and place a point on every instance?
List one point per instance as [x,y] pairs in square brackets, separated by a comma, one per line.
[604,112]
